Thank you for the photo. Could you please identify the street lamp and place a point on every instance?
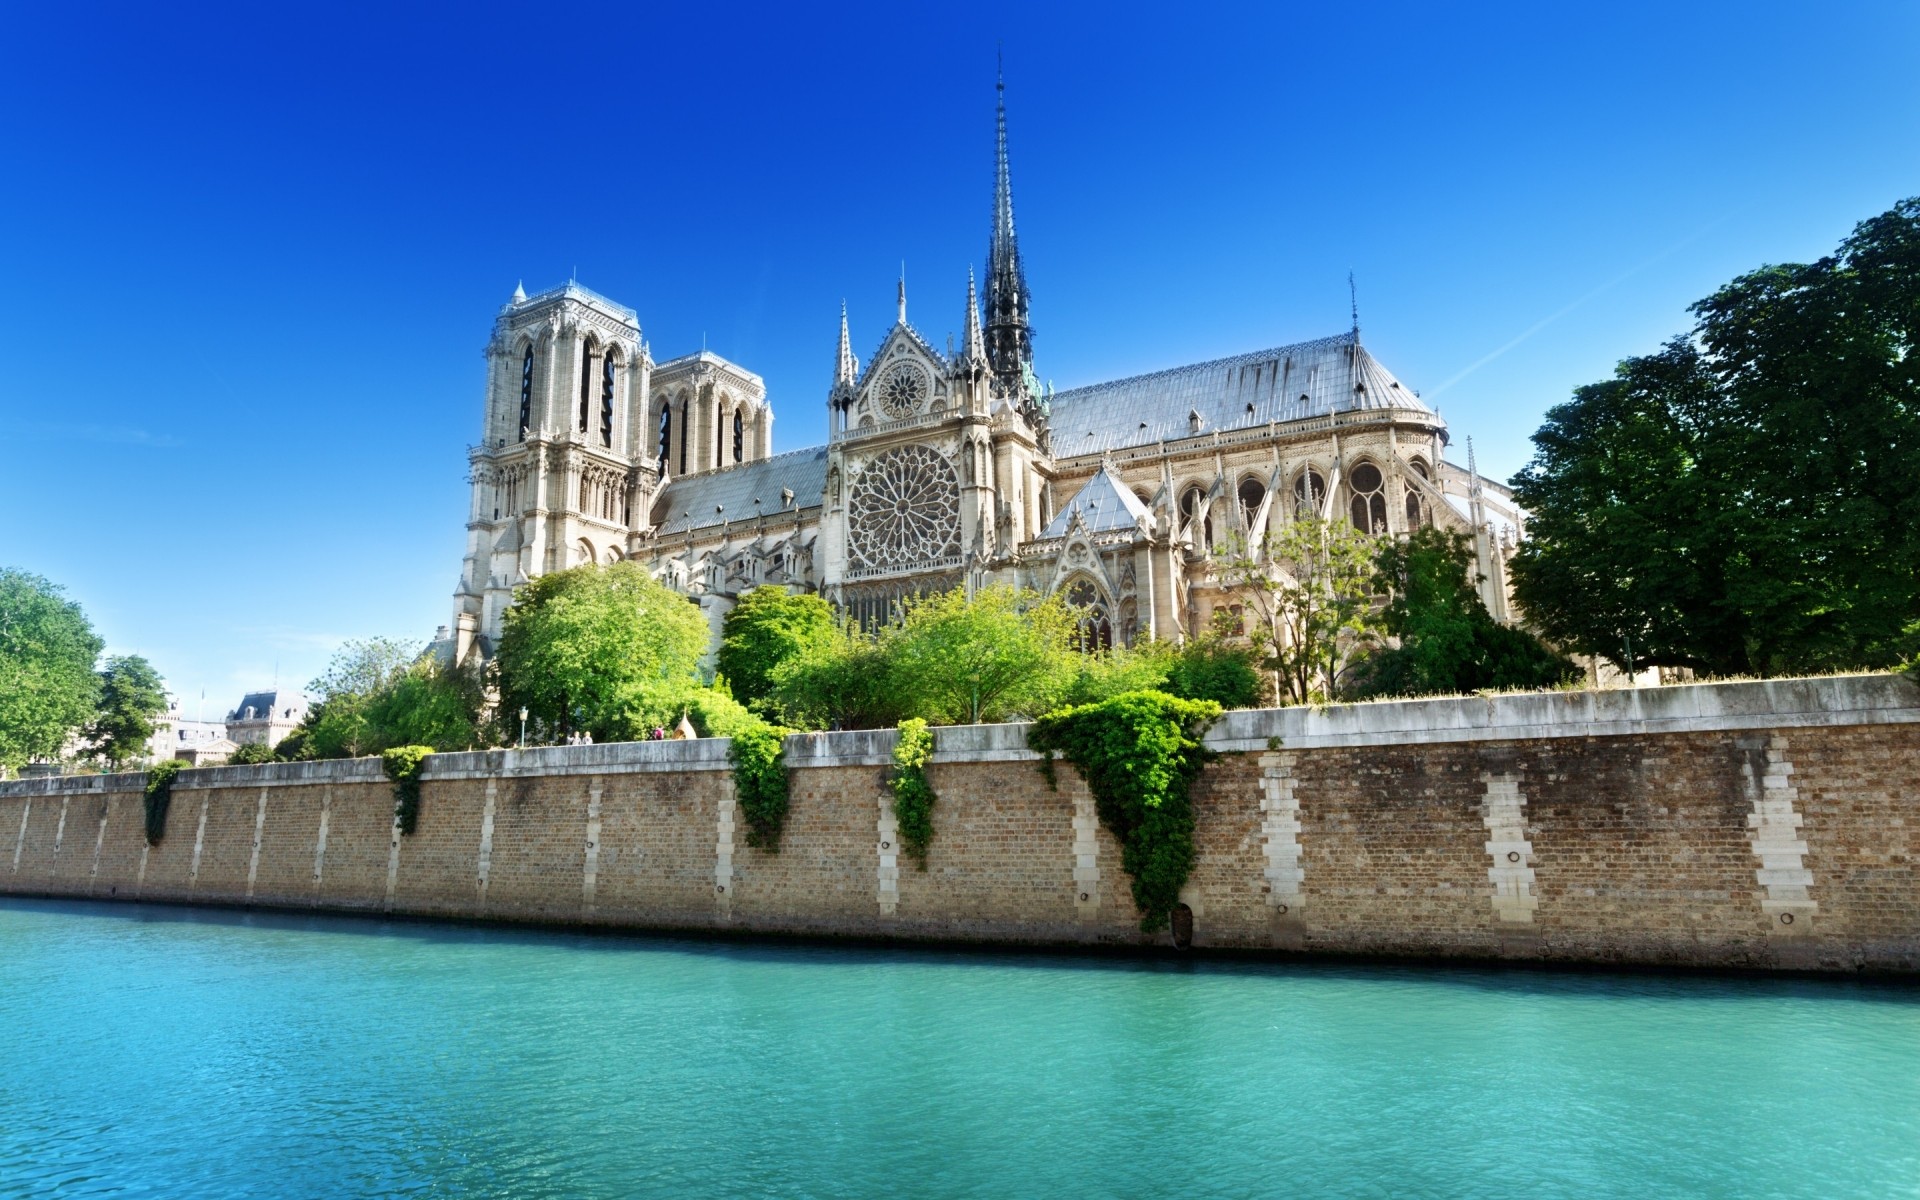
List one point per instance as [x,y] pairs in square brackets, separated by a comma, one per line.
[523,727]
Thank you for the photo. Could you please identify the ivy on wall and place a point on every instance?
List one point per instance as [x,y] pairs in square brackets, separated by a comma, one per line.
[404,765]
[760,780]
[158,797]
[912,794]
[1139,753]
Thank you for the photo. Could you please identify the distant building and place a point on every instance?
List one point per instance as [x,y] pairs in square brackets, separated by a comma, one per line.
[263,718]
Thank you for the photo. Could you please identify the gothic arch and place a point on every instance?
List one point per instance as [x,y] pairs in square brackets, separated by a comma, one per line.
[1367,496]
[1092,612]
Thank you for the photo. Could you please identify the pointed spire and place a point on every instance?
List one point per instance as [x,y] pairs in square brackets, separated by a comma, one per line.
[1009,341]
[903,292]
[974,348]
[845,368]
[520,292]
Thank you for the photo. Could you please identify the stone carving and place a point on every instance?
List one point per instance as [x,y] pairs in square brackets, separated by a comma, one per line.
[905,509]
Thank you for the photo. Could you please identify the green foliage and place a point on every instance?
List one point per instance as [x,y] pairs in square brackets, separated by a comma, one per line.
[1214,667]
[845,682]
[765,630]
[429,704]
[48,687]
[601,650]
[1448,641]
[1740,503]
[994,657]
[1088,678]
[1307,590]
[912,792]
[340,723]
[760,783]
[132,694]
[251,754]
[1139,754]
[158,797]
[404,765]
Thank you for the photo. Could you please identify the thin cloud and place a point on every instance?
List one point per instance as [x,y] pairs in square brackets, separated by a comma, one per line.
[1550,318]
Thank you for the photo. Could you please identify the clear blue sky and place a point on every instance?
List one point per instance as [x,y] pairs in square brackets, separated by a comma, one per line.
[250,256]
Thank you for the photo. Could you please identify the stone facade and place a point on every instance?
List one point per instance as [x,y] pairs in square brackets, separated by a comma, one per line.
[1741,825]
[942,468]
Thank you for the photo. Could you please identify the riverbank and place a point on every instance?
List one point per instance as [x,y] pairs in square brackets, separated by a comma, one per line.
[1770,825]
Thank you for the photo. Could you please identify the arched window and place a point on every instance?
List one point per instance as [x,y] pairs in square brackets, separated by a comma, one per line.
[586,381]
[1369,505]
[606,402]
[1191,501]
[1309,494]
[719,423]
[739,436]
[686,430]
[1093,626]
[526,393]
[1416,511]
[666,430]
[1252,494]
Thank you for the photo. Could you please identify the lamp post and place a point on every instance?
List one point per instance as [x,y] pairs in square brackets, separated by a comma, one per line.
[523,727]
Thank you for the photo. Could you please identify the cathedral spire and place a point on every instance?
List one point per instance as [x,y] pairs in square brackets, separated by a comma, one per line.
[1009,339]
[903,293]
[845,368]
[974,348]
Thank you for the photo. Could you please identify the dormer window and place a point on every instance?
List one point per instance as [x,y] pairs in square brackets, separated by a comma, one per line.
[1193,420]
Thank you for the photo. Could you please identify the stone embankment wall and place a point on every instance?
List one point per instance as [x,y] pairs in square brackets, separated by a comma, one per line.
[1758,824]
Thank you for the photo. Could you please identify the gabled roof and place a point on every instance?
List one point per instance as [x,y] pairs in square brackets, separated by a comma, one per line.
[1286,383]
[732,491]
[1104,503]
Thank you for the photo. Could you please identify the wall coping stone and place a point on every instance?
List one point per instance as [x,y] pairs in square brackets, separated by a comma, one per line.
[1704,707]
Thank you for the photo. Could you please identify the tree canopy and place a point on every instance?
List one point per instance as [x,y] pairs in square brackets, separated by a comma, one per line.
[379,693]
[1448,641]
[767,628]
[602,650]
[1740,502]
[48,688]
[132,694]
[1306,591]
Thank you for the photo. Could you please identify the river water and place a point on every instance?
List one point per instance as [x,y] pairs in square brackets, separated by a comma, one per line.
[156,1051]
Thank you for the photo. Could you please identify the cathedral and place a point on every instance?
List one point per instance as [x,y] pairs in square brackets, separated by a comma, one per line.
[940,470]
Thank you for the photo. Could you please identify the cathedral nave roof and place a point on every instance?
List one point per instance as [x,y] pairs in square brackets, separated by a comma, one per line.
[1286,383]
[733,490]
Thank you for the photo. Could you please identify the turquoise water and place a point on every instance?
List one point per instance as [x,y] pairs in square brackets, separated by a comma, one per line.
[152,1051]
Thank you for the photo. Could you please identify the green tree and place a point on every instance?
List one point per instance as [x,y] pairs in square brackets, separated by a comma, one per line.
[1448,641]
[342,723]
[1307,592]
[1740,502]
[765,630]
[1217,666]
[602,650]
[843,682]
[253,753]
[993,657]
[132,694]
[431,703]
[48,688]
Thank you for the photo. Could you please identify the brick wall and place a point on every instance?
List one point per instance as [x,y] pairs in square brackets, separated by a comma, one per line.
[1757,825]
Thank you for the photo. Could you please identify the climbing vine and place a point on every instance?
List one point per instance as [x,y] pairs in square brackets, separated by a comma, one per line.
[912,795]
[159,797]
[760,780]
[404,765]
[1139,753]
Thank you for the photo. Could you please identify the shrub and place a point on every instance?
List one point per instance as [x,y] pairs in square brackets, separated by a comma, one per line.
[757,752]
[158,797]
[403,765]
[1139,753]
[251,753]
[912,793]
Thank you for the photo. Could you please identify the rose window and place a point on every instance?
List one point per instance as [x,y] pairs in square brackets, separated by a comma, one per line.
[902,391]
[905,509]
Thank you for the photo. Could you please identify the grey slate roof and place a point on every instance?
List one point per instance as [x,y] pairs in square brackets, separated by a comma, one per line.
[734,489]
[1286,383]
[1104,503]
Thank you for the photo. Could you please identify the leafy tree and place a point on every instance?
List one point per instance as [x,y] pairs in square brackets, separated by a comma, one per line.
[341,723]
[1740,502]
[602,650]
[1214,666]
[253,753]
[988,658]
[1307,591]
[766,629]
[48,687]
[132,694]
[429,704]
[843,682]
[1448,640]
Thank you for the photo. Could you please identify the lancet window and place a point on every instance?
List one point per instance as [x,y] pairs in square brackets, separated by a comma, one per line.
[1252,493]
[686,430]
[1191,502]
[666,431]
[526,393]
[1416,509]
[586,381]
[1369,504]
[606,402]
[739,435]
